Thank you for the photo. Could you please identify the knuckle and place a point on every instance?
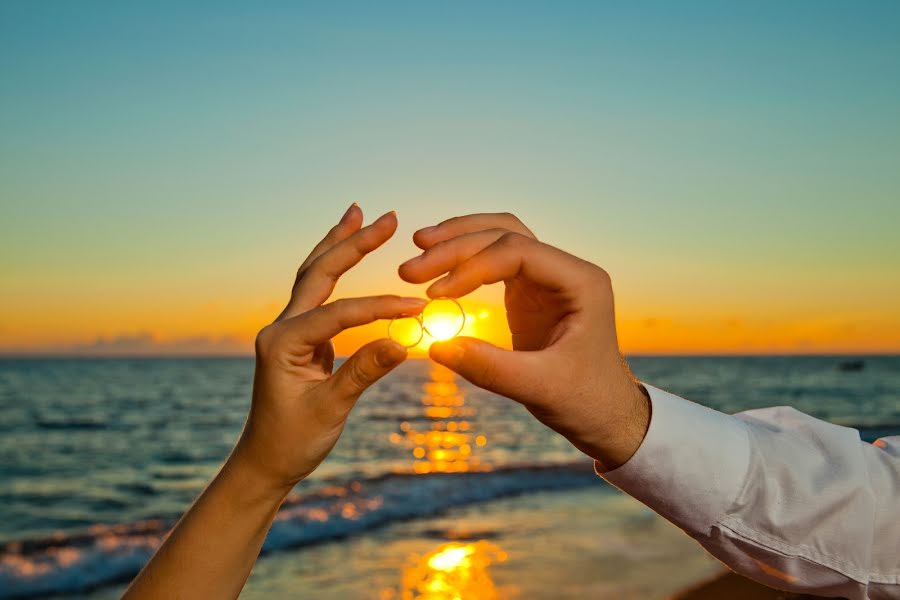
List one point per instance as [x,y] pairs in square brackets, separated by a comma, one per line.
[602,276]
[314,266]
[358,376]
[510,218]
[438,247]
[321,267]
[599,279]
[362,240]
[265,340]
[497,232]
[514,223]
[487,376]
[512,239]
[346,310]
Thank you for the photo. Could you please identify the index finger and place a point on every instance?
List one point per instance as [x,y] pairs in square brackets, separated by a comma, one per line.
[325,322]
[451,228]
[318,280]
[443,256]
[513,255]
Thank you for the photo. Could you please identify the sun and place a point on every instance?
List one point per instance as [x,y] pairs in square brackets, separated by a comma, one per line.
[443,318]
[444,327]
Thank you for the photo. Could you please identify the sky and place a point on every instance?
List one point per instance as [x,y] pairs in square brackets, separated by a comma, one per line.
[165,168]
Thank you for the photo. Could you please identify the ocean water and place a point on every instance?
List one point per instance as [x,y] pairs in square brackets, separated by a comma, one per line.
[98,457]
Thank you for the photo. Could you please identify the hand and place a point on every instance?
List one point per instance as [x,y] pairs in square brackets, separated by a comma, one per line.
[565,366]
[299,408]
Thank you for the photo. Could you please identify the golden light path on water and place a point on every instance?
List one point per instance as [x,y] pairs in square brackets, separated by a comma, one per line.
[454,570]
[447,445]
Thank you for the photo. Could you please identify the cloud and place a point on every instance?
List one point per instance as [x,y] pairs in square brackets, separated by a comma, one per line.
[147,344]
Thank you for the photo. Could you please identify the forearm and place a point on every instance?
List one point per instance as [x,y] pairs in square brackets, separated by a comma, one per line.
[788,500]
[212,549]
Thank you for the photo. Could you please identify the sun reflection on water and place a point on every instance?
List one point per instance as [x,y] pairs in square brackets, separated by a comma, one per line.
[447,445]
[445,441]
[453,571]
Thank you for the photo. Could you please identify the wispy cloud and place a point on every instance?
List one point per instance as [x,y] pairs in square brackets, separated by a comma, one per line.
[145,343]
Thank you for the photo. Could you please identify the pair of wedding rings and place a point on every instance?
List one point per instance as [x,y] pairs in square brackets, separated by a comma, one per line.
[441,319]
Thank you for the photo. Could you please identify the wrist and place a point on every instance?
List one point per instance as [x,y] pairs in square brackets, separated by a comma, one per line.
[628,428]
[255,485]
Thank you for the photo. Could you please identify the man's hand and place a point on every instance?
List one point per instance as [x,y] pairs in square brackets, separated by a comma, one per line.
[299,408]
[565,366]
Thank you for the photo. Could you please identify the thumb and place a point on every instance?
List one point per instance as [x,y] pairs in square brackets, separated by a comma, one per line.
[367,365]
[505,372]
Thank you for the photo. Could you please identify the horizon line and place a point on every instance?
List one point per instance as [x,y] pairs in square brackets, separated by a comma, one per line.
[159,356]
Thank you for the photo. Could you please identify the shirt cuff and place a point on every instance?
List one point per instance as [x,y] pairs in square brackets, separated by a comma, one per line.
[690,466]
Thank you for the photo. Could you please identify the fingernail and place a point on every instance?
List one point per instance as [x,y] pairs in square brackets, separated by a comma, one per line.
[386,215]
[349,212]
[427,230]
[415,304]
[389,355]
[449,353]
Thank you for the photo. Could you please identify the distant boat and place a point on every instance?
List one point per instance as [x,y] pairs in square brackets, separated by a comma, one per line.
[851,365]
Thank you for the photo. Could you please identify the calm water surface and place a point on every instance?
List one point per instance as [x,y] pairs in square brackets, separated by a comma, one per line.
[98,457]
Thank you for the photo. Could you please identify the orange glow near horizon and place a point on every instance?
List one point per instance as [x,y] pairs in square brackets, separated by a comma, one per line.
[165,323]
[218,331]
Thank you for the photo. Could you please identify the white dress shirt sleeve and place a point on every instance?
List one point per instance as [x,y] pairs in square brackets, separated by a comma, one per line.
[790,501]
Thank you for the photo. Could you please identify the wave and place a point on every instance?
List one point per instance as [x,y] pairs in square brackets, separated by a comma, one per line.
[105,554]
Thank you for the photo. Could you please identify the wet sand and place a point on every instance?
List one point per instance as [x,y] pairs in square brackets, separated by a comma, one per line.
[734,587]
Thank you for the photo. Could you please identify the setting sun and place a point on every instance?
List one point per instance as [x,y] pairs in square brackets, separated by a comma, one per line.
[443,328]
[443,318]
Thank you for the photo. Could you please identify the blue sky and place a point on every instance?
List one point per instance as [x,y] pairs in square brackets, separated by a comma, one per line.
[736,160]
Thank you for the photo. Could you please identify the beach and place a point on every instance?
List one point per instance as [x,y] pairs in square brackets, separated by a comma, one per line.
[435,486]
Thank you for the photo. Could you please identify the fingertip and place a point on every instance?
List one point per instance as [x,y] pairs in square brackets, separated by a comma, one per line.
[388,221]
[422,238]
[448,353]
[403,273]
[407,271]
[391,215]
[438,289]
[352,216]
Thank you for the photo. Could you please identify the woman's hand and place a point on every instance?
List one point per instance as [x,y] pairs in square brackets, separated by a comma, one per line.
[298,411]
[299,408]
[565,366]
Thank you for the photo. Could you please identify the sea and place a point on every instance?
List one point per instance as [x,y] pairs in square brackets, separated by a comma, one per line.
[437,489]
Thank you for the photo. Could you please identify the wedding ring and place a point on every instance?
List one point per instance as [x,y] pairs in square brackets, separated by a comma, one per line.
[406,331]
[441,319]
